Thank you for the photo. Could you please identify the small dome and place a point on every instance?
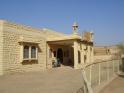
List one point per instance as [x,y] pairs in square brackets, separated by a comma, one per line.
[75,24]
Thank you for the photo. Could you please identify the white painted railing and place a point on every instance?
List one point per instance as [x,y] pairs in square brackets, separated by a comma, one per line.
[97,74]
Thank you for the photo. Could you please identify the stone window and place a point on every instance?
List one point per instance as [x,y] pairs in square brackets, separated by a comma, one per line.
[26,52]
[33,52]
[30,52]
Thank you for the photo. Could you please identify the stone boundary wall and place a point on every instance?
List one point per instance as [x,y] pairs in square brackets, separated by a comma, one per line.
[102,57]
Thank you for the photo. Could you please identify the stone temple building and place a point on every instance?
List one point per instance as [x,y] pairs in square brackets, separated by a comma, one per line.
[23,48]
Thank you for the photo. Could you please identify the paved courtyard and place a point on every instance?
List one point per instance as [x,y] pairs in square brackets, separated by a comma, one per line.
[58,80]
[116,86]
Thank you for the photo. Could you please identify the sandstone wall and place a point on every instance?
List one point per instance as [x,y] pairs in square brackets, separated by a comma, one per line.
[1,47]
[88,51]
[12,49]
[102,57]
[101,50]
[49,34]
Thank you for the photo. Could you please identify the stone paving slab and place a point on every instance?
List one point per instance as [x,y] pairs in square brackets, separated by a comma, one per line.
[58,80]
[116,86]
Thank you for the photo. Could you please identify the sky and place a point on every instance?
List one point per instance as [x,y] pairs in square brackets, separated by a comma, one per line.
[103,17]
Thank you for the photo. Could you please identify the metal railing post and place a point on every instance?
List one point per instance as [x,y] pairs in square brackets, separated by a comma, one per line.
[107,70]
[99,74]
[113,66]
[119,66]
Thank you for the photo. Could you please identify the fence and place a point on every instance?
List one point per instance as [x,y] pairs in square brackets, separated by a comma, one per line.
[96,74]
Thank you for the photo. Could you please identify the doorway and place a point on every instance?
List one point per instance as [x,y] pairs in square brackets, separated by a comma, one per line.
[60,55]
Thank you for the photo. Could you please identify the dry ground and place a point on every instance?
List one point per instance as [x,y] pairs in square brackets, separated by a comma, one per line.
[58,80]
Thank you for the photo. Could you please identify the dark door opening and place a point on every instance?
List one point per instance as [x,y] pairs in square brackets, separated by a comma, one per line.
[60,55]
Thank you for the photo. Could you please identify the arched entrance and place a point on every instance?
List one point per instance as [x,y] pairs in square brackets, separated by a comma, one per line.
[60,55]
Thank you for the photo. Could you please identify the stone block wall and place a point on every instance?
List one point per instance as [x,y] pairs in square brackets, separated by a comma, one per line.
[102,58]
[1,47]
[12,49]
[86,50]
[49,34]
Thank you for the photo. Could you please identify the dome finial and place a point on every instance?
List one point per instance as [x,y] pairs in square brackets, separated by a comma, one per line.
[75,28]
